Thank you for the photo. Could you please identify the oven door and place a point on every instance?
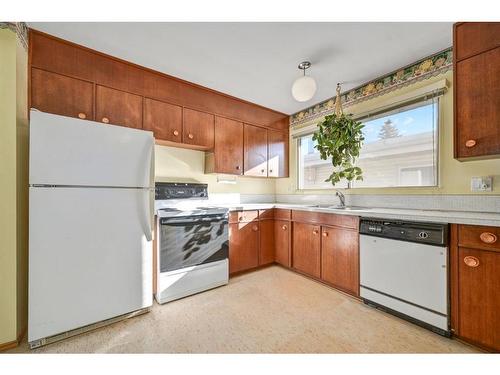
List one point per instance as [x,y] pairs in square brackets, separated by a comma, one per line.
[191,241]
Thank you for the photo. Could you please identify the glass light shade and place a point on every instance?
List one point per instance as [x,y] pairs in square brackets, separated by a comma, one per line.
[304,88]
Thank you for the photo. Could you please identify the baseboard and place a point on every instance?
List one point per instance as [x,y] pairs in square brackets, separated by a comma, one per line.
[13,344]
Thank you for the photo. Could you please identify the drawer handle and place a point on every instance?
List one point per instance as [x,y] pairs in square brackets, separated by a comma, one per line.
[470,143]
[325,234]
[175,133]
[190,136]
[488,237]
[82,115]
[471,261]
[255,228]
[105,120]
[283,227]
[315,232]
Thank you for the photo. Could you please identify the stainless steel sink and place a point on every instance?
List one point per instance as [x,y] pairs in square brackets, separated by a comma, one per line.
[335,207]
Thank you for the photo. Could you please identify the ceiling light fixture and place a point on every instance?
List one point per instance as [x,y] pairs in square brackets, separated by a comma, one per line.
[304,87]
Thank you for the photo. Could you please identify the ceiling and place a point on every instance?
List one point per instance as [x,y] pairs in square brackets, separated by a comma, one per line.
[258,61]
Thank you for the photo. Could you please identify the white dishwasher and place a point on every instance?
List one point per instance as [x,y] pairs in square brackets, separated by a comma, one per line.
[404,270]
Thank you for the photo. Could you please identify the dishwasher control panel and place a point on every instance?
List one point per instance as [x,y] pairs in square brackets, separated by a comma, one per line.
[421,232]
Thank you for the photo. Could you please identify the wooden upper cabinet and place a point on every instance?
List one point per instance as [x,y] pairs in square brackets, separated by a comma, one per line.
[163,119]
[243,246]
[306,249]
[340,258]
[255,151]
[282,232]
[118,107]
[477,104]
[198,129]
[479,297]
[62,95]
[277,154]
[228,150]
[266,236]
[471,38]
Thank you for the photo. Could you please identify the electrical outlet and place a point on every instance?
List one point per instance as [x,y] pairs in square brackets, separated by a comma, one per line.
[479,184]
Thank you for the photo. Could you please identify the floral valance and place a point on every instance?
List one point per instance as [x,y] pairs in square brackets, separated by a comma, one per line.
[425,68]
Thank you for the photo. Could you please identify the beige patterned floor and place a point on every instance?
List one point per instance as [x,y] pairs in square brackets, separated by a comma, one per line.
[272,310]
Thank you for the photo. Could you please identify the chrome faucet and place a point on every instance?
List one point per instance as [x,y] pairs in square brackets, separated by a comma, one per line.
[341,197]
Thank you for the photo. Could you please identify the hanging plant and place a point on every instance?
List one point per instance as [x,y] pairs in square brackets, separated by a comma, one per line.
[339,137]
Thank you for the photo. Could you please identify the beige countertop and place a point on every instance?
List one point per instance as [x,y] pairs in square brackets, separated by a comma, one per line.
[456,217]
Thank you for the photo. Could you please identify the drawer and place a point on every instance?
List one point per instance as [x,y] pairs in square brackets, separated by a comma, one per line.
[266,214]
[344,221]
[282,214]
[243,216]
[479,237]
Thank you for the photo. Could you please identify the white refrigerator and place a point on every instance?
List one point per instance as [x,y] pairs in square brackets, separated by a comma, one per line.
[91,200]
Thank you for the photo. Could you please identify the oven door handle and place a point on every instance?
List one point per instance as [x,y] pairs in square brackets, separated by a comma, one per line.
[183,220]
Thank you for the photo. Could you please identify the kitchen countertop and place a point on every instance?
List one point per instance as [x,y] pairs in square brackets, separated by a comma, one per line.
[456,217]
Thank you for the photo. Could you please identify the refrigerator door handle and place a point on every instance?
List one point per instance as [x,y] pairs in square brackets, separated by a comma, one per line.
[150,196]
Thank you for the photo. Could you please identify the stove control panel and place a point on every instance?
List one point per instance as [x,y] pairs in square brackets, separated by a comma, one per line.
[176,190]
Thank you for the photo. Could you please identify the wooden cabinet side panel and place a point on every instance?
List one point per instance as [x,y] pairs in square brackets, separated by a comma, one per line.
[479,298]
[55,93]
[282,238]
[471,38]
[254,151]
[266,236]
[243,246]
[228,149]
[306,249]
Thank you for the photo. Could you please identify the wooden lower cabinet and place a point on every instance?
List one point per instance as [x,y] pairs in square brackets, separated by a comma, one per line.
[282,230]
[243,246]
[340,258]
[306,249]
[266,242]
[479,297]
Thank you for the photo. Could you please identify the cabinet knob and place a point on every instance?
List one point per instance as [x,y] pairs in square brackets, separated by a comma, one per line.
[240,218]
[315,231]
[488,237]
[325,234]
[190,136]
[255,228]
[283,227]
[238,167]
[262,171]
[471,261]
[470,143]
[175,133]
[105,120]
[82,115]
[270,171]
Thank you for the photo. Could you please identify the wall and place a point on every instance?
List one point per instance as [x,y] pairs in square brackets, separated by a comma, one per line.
[13,188]
[8,313]
[183,165]
[454,176]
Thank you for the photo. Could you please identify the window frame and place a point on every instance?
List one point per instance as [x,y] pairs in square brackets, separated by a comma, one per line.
[435,97]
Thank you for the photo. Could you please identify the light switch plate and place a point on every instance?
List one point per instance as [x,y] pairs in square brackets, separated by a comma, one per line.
[481,183]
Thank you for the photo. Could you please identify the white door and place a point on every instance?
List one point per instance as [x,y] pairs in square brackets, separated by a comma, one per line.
[90,256]
[72,152]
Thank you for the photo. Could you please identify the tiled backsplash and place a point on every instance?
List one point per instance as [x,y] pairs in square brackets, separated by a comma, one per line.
[476,203]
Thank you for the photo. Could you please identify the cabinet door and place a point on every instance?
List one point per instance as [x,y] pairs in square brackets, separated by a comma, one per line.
[228,150]
[255,151]
[479,297]
[278,154]
[266,248]
[306,249]
[163,119]
[243,246]
[198,129]
[118,107]
[471,38]
[340,258]
[282,242]
[55,93]
[477,100]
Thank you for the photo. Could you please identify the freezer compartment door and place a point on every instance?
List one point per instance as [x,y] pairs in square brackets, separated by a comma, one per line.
[89,256]
[68,151]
